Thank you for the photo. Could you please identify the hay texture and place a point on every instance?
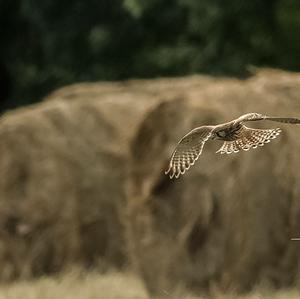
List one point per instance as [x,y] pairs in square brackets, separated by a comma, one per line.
[226,224]
[82,182]
[62,171]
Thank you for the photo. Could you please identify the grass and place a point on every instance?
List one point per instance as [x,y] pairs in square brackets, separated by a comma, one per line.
[76,285]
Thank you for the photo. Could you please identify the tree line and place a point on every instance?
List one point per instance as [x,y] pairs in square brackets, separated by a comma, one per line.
[50,43]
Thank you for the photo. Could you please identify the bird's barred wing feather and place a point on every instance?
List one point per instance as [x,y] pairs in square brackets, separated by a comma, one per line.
[188,150]
[249,138]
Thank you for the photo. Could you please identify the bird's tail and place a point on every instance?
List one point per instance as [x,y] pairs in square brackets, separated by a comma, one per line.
[287,120]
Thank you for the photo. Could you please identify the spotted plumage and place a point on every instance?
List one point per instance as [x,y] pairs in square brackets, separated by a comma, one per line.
[236,137]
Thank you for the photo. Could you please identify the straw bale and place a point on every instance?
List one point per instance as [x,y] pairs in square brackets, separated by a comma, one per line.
[227,223]
[62,167]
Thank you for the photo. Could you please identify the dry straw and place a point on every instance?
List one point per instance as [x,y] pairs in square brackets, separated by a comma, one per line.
[90,159]
[227,223]
[62,168]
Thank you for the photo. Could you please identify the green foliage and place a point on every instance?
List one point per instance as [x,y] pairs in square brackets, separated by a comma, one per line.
[46,44]
[288,19]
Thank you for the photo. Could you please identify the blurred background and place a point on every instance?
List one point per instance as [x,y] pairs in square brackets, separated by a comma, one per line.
[94,95]
[50,44]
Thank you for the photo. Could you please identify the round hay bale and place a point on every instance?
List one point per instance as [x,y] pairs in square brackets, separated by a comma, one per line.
[228,221]
[62,171]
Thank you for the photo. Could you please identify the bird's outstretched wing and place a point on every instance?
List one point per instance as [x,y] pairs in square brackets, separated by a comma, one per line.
[257,116]
[250,117]
[249,138]
[188,150]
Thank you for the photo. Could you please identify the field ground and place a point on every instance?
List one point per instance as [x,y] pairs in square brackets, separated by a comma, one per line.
[75,285]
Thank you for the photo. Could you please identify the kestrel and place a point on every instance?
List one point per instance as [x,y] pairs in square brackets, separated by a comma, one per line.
[236,137]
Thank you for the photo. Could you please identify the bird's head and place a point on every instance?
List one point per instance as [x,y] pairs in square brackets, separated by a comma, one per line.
[218,135]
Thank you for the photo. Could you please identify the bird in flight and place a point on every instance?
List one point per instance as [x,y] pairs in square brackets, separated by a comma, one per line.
[236,137]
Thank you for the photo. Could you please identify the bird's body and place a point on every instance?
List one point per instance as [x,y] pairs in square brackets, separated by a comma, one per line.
[227,132]
[235,134]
